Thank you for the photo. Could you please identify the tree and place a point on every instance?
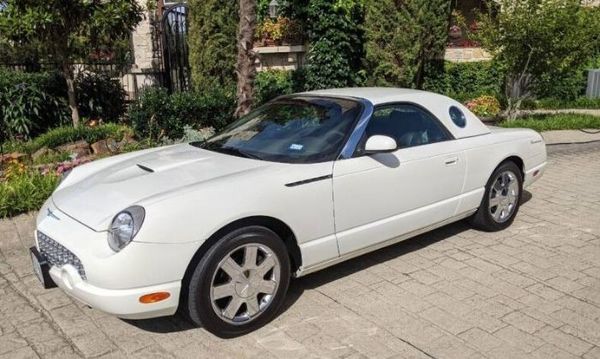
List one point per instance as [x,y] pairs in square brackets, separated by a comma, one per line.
[68,31]
[336,39]
[245,70]
[538,38]
[403,38]
[212,42]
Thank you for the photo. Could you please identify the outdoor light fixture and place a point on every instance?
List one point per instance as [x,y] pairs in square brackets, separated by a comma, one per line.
[273,9]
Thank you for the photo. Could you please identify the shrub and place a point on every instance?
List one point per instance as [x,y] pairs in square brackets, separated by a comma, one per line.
[403,37]
[336,51]
[467,80]
[484,106]
[63,135]
[24,190]
[100,97]
[157,114]
[557,104]
[30,103]
[272,83]
[212,42]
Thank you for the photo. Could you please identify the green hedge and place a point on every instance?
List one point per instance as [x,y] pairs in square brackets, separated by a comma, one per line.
[30,103]
[157,114]
[466,80]
[273,83]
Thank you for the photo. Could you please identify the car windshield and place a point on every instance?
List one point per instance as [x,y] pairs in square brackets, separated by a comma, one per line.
[299,129]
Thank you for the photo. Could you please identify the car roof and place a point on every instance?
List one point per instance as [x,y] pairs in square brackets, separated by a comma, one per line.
[438,105]
[376,95]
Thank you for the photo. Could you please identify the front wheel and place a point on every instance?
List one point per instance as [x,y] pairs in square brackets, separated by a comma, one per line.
[501,200]
[240,283]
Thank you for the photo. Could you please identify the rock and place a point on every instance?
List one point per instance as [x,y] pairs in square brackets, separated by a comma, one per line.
[112,145]
[100,147]
[41,152]
[12,156]
[79,148]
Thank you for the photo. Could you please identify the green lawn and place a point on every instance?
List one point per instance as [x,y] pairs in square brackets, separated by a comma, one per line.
[555,122]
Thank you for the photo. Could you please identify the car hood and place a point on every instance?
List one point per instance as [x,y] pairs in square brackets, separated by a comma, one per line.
[97,197]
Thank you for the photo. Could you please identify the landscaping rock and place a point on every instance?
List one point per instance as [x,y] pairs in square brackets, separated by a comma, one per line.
[41,152]
[12,156]
[79,148]
[112,145]
[100,147]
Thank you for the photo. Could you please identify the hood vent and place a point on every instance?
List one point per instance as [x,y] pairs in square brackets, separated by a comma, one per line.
[147,169]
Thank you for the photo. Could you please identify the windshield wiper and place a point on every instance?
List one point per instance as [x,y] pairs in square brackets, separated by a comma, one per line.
[235,152]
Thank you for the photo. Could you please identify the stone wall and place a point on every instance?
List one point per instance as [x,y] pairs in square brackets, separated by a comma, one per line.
[466,54]
[280,57]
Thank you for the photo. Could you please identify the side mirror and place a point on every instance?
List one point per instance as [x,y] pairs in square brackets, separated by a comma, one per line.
[380,144]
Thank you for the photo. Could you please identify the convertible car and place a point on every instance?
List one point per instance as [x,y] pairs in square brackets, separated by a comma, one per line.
[216,229]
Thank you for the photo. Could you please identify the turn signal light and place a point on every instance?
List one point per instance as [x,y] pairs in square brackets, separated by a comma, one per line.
[154,297]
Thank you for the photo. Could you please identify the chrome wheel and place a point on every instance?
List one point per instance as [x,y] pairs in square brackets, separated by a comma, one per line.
[245,283]
[504,195]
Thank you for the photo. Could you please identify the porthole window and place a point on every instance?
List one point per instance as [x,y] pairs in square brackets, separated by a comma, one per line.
[458,117]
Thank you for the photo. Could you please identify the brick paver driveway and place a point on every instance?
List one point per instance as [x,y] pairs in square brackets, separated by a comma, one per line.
[530,291]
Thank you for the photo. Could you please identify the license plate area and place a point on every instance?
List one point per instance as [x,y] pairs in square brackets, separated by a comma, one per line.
[41,268]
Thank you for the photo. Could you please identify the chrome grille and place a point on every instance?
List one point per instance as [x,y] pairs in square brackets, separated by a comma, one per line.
[57,255]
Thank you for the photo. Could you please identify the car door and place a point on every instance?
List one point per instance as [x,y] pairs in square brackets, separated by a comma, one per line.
[381,196]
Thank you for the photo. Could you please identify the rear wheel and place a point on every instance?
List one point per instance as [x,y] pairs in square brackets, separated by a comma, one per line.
[240,283]
[501,200]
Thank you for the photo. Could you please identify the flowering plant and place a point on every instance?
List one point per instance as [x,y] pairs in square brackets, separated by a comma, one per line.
[484,106]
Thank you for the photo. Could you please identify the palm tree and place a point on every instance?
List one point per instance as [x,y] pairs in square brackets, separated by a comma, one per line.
[245,69]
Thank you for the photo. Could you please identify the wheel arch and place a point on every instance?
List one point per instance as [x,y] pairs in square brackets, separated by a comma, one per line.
[516,160]
[276,225]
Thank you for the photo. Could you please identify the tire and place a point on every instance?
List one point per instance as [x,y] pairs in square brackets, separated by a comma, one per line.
[490,218]
[222,281]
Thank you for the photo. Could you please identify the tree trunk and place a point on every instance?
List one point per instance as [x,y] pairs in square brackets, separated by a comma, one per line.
[69,77]
[245,69]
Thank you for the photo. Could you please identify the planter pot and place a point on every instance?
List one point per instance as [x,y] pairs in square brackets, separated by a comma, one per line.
[455,34]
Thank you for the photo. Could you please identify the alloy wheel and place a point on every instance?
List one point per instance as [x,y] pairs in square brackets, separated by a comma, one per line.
[503,196]
[244,283]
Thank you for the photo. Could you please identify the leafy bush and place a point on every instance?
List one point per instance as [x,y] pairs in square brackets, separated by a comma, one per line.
[63,135]
[157,114]
[272,83]
[336,50]
[403,37]
[30,103]
[24,190]
[566,121]
[212,42]
[555,103]
[100,97]
[484,106]
[467,80]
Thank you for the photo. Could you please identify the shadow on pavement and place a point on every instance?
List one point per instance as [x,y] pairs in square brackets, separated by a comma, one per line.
[177,323]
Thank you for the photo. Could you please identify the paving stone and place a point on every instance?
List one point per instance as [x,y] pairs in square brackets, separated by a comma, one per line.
[530,291]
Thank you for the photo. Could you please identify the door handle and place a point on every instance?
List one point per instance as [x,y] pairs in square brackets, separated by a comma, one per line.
[451,161]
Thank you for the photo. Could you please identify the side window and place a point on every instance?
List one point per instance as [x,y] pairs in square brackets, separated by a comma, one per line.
[409,125]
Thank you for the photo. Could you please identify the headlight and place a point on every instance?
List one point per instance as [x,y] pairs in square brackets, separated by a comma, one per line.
[125,226]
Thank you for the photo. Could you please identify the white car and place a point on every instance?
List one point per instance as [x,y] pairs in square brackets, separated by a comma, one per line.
[217,229]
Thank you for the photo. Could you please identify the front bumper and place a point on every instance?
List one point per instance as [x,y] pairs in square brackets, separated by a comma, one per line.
[108,281]
[123,303]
